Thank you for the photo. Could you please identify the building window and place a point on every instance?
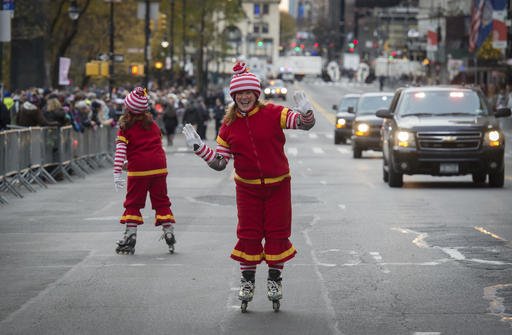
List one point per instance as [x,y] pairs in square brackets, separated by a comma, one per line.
[264,28]
[265,8]
[257,9]
[256,29]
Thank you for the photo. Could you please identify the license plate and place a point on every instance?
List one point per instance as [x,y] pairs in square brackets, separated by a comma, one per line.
[449,168]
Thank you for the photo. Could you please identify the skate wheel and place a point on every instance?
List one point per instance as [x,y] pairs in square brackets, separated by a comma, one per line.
[171,250]
[243,307]
[275,305]
[132,251]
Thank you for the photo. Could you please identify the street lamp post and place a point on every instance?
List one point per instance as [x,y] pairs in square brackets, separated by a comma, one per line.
[147,32]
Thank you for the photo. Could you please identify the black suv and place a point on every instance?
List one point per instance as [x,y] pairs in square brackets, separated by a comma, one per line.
[442,131]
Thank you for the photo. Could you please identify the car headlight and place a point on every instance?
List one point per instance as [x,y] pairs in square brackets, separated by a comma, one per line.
[284,90]
[362,129]
[267,91]
[341,123]
[405,139]
[493,138]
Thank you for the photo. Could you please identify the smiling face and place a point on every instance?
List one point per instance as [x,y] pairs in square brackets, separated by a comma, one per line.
[245,100]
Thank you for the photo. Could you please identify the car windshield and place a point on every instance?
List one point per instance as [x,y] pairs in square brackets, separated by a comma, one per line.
[370,104]
[345,103]
[445,102]
[276,83]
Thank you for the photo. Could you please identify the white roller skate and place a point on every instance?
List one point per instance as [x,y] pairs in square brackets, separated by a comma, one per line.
[170,240]
[274,288]
[126,246]
[247,286]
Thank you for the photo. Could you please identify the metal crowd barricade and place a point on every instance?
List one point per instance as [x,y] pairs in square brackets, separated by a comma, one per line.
[12,162]
[38,154]
[3,183]
[37,157]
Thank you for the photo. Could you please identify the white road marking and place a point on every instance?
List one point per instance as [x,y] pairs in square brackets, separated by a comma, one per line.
[323,182]
[325,294]
[329,136]
[426,333]
[342,206]
[378,258]
[318,150]
[312,135]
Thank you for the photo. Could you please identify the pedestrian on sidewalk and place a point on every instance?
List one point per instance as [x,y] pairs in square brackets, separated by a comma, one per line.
[139,141]
[252,133]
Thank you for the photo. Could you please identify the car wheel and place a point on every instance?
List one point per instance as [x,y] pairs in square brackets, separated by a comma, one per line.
[385,173]
[479,178]
[356,152]
[337,139]
[497,179]
[395,179]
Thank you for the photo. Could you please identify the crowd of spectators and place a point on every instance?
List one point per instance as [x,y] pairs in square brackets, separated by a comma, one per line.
[83,109]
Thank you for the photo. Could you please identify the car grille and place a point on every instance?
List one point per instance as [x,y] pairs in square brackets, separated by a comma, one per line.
[449,141]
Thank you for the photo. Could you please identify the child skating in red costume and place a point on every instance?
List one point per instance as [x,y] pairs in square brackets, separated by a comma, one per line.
[139,141]
[252,134]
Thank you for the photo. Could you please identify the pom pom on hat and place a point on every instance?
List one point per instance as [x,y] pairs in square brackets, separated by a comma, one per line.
[243,80]
[137,102]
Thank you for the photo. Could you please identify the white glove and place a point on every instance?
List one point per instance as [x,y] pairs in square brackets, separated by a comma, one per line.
[191,136]
[118,181]
[303,104]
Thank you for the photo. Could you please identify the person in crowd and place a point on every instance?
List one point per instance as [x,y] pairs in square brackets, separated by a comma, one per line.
[170,120]
[139,141]
[203,117]
[252,134]
[5,116]
[54,112]
[84,115]
[218,114]
[31,116]
[101,113]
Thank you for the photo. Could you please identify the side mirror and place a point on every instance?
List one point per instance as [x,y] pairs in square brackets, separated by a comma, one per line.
[350,110]
[384,113]
[502,112]
[334,107]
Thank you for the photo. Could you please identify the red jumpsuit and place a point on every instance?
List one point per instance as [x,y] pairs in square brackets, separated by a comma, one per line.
[262,175]
[147,172]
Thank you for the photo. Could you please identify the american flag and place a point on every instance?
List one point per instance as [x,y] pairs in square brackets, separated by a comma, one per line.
[476,21]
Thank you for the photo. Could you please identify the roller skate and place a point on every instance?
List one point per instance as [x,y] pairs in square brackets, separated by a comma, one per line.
[274,288]
[170,240]
[126,246]
[246,292]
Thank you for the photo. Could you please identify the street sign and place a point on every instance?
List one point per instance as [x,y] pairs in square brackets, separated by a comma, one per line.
[7,4]
[103,57]
[118,58]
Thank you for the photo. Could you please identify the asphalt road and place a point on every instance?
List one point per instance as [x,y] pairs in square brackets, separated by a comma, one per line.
[431,258]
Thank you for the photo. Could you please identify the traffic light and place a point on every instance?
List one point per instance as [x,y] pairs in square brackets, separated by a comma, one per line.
[97,69]
[259,43]
[162,22]
[137,69]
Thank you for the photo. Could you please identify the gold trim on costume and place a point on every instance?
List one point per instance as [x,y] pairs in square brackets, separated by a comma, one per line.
[247,257]
[262,180]
[284,114]
[280,256]
[122,139]
[146,173]
[132,217]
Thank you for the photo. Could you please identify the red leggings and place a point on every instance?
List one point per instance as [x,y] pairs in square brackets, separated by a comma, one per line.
[264,212]
[136,194]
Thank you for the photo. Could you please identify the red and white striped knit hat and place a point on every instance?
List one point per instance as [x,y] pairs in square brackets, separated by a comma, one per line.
[137,102]
[243,80]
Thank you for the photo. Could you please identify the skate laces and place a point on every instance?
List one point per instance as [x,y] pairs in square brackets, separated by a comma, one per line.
[247,286]
[273,286]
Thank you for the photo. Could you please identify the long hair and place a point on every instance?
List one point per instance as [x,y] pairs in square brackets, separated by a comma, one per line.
[231,110]
[127,120]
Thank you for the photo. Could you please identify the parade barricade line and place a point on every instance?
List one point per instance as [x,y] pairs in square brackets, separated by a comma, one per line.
[3,183]
[12,162]
[38,173]
[40,154]
[24,169]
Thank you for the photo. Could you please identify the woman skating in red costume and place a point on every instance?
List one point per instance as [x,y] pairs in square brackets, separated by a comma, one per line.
[252,134]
